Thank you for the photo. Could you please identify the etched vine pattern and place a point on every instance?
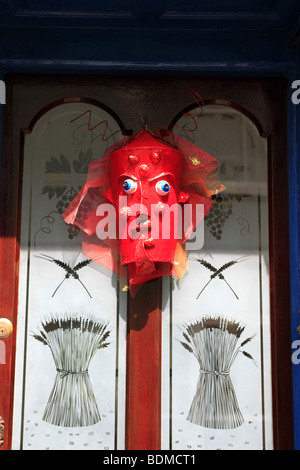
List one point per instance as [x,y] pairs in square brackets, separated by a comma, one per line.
[64,192]
[221,210]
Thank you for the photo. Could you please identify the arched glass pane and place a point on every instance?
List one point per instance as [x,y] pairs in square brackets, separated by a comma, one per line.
[218,327]
[67,395]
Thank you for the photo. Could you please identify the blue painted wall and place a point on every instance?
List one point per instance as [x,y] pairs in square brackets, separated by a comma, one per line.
[294,187]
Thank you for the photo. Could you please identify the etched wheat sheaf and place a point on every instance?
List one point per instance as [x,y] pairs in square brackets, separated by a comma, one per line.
[73,341]
[214,341]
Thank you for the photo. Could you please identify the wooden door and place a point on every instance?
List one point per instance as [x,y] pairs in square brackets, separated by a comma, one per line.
[138,373]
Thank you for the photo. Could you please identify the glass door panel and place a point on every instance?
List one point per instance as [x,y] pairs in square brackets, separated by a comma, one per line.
[71,316]
[219,355]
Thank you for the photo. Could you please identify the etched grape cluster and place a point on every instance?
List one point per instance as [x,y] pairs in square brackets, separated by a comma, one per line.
[83,210]
[61,205]
[220,211]
[82,213]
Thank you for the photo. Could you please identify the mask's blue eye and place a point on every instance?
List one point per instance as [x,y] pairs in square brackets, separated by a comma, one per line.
[129,186]
[162,187]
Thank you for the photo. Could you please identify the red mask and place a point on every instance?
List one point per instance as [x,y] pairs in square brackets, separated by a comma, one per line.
[148,178]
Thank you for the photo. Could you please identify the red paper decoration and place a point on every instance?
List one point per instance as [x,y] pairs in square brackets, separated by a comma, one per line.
[144,182]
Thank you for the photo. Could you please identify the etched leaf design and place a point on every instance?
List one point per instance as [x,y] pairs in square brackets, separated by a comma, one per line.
[58,165]
[81,165]
[53,191]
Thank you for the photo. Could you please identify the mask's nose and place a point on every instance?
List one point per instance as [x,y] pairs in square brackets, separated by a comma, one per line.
[144,172]
[145,195]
